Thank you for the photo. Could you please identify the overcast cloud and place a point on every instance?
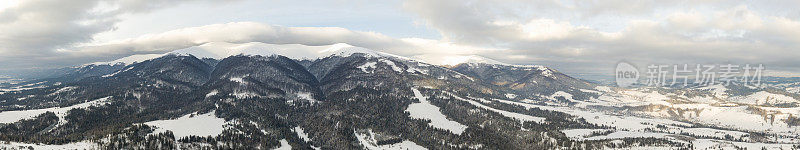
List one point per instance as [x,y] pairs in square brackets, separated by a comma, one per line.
[575,37]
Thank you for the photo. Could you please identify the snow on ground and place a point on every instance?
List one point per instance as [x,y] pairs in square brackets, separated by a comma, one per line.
[115,73]
[627,134]
[643,98]
[590,91]
[709,132]
[793,90]
[191,124]
[621,122]
[545,71]
[709,110]
[220,50]
[64,89]
[701,144]
[581,133]
[736,117]
[425,110]
[244,95]
[421,71]
[739,118]
[368,141]
[629,98]
[391,64]
[702,99]
[130,59]
[514,115]
[763,98]
[284,145]
[306,96]
[212,93]
[511,96]
[368,67]
[563,94]
[604,89]
[238,80]
[302,134]
[633,126]
[24,87]
[452,60]
[718,90]
[76,145]
[17,115]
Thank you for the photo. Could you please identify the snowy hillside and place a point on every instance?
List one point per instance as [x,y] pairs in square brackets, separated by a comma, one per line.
[284,96]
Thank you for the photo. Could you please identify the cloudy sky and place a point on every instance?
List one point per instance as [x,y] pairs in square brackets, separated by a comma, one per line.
[581,38]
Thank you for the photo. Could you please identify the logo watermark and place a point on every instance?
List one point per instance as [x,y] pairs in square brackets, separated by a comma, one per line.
[626,74]
[685,74]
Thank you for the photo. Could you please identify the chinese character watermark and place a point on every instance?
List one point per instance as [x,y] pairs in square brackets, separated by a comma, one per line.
[696,74]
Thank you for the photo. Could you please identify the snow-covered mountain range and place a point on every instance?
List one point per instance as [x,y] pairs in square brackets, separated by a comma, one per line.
[289,96]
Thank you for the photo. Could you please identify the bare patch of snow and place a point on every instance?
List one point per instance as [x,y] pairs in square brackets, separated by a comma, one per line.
[720,144]
[238,80]
[191,124]
[590,91]
[115,73]
[306,96]
[212,93]
[514,115]
[64,89]
[130,59]
[511,96]
[391,64]
[368,67]
[603,89]
[244,95]
[627,134]
[718,90]
[76,145]
[368,141]
[284,145]
[581,133]
[412,70]
[452,60]
[427,111]
[763,98]
[220,50]
[61,112]
[302,134]
[563,94]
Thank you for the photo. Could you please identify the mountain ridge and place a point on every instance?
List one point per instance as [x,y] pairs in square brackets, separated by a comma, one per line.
[364,100]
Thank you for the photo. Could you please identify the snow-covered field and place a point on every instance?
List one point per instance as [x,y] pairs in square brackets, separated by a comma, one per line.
[763,98]
[16,87]
[425,110]
[721,144]
[69,146]
[657,114]
[284,145]
[17,115]
[514,115]
[302,134]
[202,125]
[368,140]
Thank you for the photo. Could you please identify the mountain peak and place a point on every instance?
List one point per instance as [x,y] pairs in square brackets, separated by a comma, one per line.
[344,49]
[129,60]
[221,50]
[452,60]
